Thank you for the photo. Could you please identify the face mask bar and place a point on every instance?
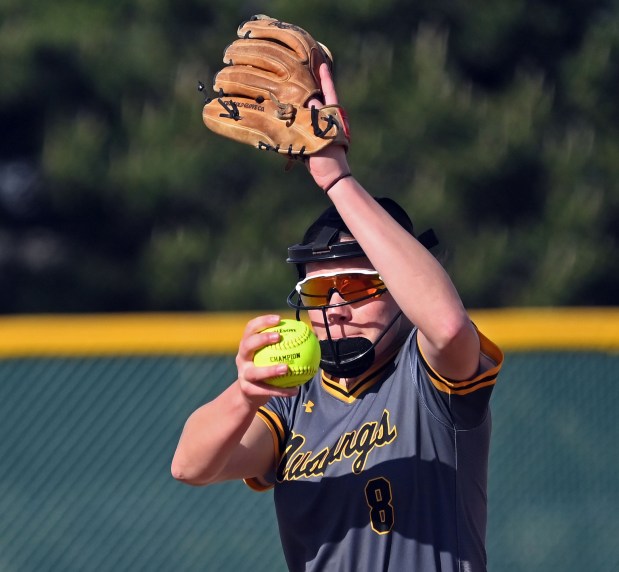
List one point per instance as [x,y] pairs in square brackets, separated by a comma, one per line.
[347,357]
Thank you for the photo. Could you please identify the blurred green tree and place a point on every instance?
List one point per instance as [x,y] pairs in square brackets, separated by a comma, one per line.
[495,124]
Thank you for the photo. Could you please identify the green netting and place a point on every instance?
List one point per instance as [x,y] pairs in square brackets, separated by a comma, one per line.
[86,447]
[554,492]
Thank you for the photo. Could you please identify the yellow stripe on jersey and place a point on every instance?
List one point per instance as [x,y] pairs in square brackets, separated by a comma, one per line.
[276,428]
[349,395]
[255,485]
[485,379]
[373,375]
[274,424]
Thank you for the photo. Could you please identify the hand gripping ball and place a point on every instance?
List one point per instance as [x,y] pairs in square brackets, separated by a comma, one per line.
[298,347]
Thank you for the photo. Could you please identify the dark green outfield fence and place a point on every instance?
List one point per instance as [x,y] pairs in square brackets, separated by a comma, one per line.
[86,444]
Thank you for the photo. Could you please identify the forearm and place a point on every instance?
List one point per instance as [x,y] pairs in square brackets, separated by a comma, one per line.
[416,280]
[210,437]
[414,277]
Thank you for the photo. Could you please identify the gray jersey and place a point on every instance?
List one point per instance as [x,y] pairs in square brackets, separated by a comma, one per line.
[389,475]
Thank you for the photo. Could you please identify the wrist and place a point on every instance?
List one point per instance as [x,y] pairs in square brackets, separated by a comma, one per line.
[245,400]
[335,181]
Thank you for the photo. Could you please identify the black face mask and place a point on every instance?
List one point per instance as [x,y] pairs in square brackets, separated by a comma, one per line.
[349,357]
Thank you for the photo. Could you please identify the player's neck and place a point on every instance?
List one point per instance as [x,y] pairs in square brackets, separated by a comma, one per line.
[346,382]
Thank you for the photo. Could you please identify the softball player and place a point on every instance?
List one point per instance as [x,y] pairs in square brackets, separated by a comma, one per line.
[380,461]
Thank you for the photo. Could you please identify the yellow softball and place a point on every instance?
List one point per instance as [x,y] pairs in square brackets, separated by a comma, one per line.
[298,347]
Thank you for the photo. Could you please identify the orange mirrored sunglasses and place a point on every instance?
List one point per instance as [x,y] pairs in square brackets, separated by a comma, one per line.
[316,291]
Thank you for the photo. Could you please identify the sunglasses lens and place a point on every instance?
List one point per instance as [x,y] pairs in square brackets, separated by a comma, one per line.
[318,290]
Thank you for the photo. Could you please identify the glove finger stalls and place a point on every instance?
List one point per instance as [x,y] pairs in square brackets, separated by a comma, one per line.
[261,67]
[264,55]
[253,83]
[294,37]
[234,81]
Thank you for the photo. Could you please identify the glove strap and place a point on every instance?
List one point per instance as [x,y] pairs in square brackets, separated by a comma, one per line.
[336,180]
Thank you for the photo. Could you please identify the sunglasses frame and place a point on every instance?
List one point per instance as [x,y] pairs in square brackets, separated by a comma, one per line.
[297,290]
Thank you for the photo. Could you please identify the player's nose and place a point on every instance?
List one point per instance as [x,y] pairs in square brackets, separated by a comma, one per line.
[338,313]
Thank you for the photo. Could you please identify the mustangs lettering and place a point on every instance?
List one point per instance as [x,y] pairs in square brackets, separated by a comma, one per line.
[358,444]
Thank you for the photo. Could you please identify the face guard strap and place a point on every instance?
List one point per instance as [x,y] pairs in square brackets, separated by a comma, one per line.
[349,357]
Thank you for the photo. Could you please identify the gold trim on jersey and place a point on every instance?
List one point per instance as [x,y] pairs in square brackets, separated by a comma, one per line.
[484,379]
[274,424]
[372,376]
[255,485]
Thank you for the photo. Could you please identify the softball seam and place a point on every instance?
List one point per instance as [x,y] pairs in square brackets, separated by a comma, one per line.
[294,342]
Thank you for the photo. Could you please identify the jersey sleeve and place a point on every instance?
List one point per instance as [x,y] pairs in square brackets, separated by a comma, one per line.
[463,403]
[274,415]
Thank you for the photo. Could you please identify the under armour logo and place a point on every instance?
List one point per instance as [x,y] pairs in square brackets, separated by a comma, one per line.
[308,406]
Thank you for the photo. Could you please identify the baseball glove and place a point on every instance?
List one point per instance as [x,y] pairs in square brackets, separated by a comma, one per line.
[262,94]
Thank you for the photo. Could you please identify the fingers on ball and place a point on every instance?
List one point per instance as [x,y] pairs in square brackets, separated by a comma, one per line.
[261,374]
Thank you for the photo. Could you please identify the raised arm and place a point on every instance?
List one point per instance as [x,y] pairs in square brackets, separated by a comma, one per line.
[417,281]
